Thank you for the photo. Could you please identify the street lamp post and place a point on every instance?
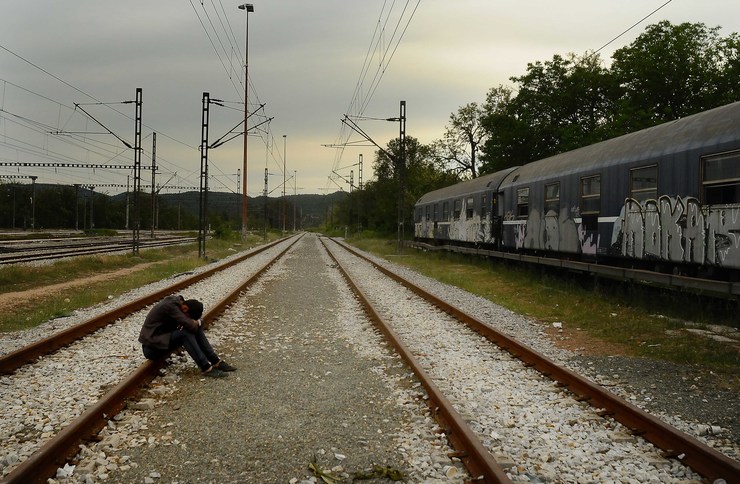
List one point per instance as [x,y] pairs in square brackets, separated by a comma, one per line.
[248,7]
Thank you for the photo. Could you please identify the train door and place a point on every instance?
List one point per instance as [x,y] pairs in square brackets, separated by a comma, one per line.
[496,220]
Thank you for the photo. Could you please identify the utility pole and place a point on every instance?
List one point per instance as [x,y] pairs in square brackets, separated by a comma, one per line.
[247,7]
[154,174]
[203,199]
[33,203]
[92,207]
[137,174]
[360,174]
[264,193]
[285,157]
[128,198]
[401,172]
[295,193]
[77,207]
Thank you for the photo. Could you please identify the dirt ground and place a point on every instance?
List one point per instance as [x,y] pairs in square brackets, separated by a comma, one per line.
[11,300]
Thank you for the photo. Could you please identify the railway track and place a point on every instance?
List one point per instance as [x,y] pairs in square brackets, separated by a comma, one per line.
[499,424]
[478,413]
[54,426]
[45,250]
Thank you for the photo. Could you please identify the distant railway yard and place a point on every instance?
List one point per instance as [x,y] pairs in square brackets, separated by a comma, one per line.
[354,368]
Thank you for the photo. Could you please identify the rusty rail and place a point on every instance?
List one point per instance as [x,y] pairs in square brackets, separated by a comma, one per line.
[690,451]
[477,459]
[43,463]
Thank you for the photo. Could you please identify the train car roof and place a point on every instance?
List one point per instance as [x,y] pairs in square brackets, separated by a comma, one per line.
[476,185]
[715,130]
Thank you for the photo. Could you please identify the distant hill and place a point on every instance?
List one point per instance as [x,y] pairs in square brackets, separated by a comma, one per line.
[64,206]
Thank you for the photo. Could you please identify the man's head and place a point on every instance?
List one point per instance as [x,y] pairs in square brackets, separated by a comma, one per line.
[193,308]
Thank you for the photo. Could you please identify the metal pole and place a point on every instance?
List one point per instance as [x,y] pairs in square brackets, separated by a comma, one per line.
[264,192]
[203,198]
[128,198]
[401,168]
[247,7]
[295,193]
[137,174]
[33,203]
[154,174]
[92,207]
[77,206]
[285,156]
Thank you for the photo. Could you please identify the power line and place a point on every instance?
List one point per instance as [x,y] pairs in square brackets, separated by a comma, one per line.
[359,102]
[631,27]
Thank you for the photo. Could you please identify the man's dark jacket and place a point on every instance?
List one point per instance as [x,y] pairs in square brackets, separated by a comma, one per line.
[164,318]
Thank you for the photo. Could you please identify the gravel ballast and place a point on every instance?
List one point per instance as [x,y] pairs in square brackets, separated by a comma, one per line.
[315,386]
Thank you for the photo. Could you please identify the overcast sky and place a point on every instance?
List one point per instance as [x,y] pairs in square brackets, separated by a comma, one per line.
[310,63]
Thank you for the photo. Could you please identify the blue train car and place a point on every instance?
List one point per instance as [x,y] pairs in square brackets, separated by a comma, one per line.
[465,213]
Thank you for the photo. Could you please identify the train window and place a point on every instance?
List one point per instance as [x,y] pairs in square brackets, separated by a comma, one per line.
[552,198]
[522,202]
[644,183]
[590,195]
[458,209]
[469,205]
[721,179]
[483,206]
[446,211]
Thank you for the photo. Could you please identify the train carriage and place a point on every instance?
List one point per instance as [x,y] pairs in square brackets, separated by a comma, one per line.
[465,213]
[667,197]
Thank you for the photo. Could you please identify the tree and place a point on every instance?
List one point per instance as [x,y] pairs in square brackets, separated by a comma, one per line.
[463,136]
[376,206]
[505,144]
[560,105]
[672,71]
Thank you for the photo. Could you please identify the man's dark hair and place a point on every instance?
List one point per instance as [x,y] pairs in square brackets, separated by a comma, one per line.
[195,308]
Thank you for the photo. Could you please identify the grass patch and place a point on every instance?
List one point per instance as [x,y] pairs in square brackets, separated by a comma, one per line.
[639,320]
[149,266]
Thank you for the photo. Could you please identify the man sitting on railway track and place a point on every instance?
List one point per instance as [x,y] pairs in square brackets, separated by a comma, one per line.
[173,323]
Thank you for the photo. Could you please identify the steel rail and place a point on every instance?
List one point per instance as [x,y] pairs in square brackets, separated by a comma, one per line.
[43,463]
[11,361]
[38,254]
[477,459]
[677,444]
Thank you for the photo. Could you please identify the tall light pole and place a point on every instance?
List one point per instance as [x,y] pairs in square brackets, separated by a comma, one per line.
[285,156]
[248,7]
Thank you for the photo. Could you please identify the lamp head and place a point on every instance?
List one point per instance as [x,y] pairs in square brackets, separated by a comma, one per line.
[247,6]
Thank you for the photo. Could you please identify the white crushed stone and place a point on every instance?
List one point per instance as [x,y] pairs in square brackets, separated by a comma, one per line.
[532,442]
[535,429]
[42,398]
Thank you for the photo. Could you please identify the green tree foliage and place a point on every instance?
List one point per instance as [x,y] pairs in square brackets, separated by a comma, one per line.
[376,206]
[560,105]
[668,72]
[672,71]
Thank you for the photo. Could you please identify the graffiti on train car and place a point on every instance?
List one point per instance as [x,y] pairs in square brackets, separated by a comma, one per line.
[471,229]
[555,232]
[679,230]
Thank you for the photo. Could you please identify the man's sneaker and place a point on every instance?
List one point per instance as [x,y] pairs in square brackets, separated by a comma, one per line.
[223,366]
[214,373]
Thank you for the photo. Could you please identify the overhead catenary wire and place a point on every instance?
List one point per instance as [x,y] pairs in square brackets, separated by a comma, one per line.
[364,93]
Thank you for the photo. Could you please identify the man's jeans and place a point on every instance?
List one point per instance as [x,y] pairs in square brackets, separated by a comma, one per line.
[196,344]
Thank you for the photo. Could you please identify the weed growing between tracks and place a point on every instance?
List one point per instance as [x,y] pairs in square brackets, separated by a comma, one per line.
[50,291]
[630,319]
